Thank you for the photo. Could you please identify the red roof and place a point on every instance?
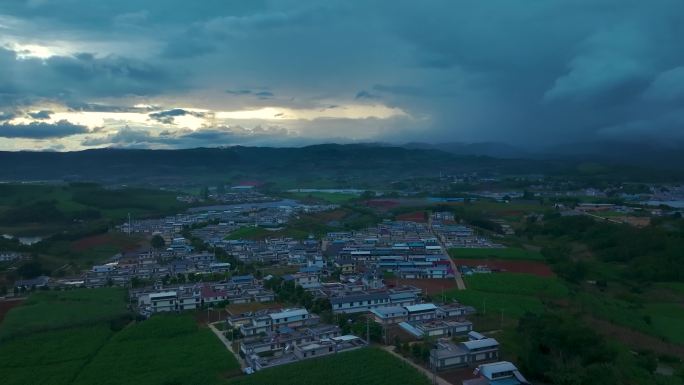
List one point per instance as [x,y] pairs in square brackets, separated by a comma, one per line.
[208,292]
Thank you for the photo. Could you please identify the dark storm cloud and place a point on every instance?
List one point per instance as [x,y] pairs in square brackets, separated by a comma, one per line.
[463,70]
[7,115]
[363,94]
[72,78]
[132,137]
[41,115]
[41,130]
[263,95]
[167,116]
[98,107]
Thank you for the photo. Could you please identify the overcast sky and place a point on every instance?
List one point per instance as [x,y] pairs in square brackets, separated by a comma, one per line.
[80,74]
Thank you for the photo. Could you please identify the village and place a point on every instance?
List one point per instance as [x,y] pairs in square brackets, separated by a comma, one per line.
[275,300]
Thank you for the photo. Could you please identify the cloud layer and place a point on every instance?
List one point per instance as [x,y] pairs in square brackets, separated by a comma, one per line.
[178,74]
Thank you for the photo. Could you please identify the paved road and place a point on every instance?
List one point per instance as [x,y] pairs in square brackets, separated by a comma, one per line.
[228,345]
[460,284]
[439,380]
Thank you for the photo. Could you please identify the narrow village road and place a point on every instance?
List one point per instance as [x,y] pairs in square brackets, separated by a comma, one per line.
[228,345]
[460,284]
[433,378]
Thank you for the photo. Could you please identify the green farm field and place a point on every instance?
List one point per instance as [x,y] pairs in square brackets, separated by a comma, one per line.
[51,310]
[513,293]
[368,366]
[166,349]
[83,346]
[512,253]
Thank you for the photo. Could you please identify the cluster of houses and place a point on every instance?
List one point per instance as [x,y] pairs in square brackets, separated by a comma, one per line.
[181,297]
[427,320]
[9,256]
[226,218]
[476,350]
[453,234]
[285,251]
[274,337]
[150,265]
[407,249]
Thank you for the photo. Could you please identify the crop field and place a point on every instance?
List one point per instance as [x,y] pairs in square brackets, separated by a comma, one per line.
[162,350]
[518,284]
[369,366]
[514,294]
[51,357]
[51,310]
[88,349]
[512,253]
[512,305]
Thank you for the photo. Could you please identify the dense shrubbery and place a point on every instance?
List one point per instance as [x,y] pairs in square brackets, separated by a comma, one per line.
[653,253]
[560,349]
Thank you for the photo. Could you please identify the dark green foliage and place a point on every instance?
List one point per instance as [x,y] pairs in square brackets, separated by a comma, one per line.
[649,254]
[157,242]
[31,269]
[560,349]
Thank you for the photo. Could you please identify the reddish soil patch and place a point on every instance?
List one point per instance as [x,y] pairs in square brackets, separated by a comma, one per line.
[6,306]
[530,267]
[118,240]
[429,286]
[416,216]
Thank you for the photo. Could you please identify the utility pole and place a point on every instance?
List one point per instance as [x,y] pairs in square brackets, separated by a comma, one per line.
[129,224]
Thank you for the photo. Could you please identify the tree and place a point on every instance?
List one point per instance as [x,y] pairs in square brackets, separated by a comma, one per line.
[157,242]
[30,269]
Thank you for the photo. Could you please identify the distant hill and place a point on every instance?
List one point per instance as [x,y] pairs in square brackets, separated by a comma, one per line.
[491,149]
[664,156]
[363,161]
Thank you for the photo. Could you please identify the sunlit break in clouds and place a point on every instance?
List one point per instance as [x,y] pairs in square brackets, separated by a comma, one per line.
[82,74]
